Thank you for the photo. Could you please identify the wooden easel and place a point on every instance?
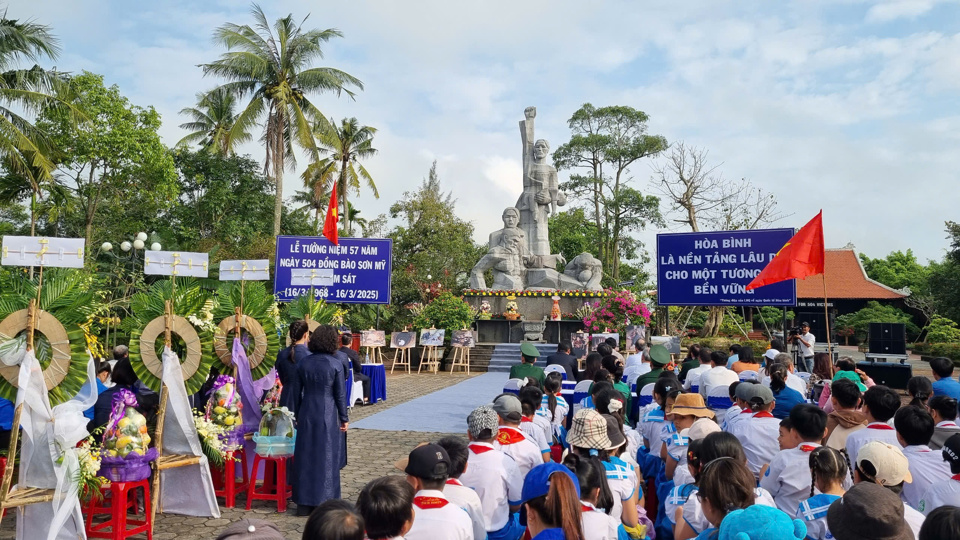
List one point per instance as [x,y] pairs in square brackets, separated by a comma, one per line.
[401,357]
[23,496]
[461,358]
[429,357]
[374,355]
[172,461]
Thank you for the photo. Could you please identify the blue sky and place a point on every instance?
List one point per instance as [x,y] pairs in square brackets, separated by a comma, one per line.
[846,105]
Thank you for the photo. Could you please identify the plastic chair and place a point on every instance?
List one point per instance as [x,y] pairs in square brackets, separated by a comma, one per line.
[122,498]
[513,386]
[356,391]
[554,368]
[749,375]
[628,372]
[225,479]
[274,487]
[645,396]
[804,375]
[718,398]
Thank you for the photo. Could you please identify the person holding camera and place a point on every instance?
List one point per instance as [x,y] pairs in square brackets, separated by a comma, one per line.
[805,341]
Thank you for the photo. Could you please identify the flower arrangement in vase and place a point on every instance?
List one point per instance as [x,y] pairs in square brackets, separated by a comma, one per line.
[555,313]
[485,311]
[513,312]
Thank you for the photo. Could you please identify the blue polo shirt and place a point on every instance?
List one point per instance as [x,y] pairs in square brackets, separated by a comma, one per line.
[948,386]
[786,400]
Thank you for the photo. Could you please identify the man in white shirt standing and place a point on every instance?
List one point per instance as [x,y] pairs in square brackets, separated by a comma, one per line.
[805,341]
[435,517]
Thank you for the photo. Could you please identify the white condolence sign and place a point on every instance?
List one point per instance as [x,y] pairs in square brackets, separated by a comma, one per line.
[175,263]
[42,251]
[248,270]
[316,277]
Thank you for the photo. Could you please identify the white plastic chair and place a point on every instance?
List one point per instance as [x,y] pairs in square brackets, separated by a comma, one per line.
[805,376]
[513,386]
[628,375]
[554,368]
[645,395]
[718,398]
[749,375]
[356,391]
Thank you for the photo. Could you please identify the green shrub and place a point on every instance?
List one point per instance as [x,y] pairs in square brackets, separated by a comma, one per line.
[875,312]
[950,350]
[723,344]
[942,330]
[445,311]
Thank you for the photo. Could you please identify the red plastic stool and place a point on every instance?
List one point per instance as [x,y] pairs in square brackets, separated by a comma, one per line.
[122,499]
[225,479]
[274,486]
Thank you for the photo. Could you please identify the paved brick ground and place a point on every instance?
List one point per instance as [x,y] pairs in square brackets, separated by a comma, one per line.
[370,454]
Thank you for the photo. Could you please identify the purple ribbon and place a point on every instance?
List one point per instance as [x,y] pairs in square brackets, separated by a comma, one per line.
[122,399]
[249,394]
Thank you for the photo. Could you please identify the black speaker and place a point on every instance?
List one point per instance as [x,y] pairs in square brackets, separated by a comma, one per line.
[817,325]
[888,338]
[891,375]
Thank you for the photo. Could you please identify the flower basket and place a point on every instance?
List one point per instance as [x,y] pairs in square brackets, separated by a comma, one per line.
[133,468]
[511,316]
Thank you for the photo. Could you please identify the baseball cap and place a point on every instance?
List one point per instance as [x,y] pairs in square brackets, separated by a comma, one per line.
[951,449]
[483,423]
[428,461]
[589,430]
[251,529]
[891,465]
[537,483]
[700,429]
[868,511]
[756,394]
[659,355]
[528,349]
[771,354]
[508,406]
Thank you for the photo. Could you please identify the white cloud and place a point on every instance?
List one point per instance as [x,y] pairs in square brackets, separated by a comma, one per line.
[890,10]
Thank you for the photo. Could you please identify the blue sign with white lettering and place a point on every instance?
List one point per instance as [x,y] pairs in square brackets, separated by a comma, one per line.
[355,272]
[714,268]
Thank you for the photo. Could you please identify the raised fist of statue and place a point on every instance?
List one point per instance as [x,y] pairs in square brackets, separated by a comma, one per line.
[542,198]
[530,112]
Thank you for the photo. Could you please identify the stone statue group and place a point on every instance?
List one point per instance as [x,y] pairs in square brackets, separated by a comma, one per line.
[519,255]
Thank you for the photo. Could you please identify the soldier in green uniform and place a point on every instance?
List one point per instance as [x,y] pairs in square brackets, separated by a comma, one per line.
[526,369]
[659,357]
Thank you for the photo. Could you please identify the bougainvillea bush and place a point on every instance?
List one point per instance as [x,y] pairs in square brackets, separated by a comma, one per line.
[613,312]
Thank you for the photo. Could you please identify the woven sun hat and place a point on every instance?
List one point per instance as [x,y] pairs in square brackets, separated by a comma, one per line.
[589,430]
[613,433]
[690,404]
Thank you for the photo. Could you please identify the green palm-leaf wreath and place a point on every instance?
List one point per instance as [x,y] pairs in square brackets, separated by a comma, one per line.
[257,304]
[145,306]
[65,294]
[319,310]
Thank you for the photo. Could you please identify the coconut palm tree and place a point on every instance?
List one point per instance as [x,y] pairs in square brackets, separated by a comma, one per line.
[347,144]
[24,149]
[214,123]
[317,181]
[271,65]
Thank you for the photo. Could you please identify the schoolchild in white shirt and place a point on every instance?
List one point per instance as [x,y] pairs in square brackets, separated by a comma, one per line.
[788,477]
[665,390]
[458,493]
[595,497]
[687,409]
[741,409]
[759,433]
[945,492]
[494,476]
[512,440]
[943,409]
[879,405]
[386,504]
[435,517]
[884,464]
[914,427]
[828,471]
[733,410]
[590,435]
[553,406]
[535,427]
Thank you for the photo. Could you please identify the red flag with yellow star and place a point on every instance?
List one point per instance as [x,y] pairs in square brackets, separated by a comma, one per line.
[799,258]
[330,224]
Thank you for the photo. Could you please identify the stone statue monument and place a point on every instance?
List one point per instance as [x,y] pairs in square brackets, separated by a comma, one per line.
[519,254]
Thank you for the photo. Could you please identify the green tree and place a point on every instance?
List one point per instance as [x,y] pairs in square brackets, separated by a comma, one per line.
[605,143]
[318,179]
[430,241]
[118,169]
[898,270]
[25,149]
[346,144]
[944,276]
[875,312]
[213,123]
[270,65]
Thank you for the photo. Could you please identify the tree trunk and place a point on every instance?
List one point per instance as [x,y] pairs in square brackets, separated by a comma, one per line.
[278,158]
[33,213]
[714,320]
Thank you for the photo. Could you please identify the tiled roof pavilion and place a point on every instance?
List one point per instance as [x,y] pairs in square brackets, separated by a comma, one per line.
[846,279]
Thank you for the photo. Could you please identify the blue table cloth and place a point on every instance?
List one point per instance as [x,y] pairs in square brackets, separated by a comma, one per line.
[378,381]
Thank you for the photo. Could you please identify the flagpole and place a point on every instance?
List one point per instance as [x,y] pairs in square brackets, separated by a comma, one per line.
[826,313]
